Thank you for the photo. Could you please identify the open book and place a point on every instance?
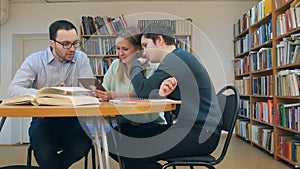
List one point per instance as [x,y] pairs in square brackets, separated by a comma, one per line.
[56,96]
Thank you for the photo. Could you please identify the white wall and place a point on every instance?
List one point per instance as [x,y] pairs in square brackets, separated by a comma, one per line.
[212,40]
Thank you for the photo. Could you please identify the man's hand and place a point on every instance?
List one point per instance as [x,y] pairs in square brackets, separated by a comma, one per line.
[144,62]
[167,86]
[62,84]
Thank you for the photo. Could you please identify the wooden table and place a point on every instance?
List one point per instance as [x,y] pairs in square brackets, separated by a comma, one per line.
[105,109]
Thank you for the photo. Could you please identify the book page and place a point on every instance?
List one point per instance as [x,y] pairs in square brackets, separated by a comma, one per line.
[65,100]
[54,96]
[52,90]
[26,99]
[72,89]
[61,90]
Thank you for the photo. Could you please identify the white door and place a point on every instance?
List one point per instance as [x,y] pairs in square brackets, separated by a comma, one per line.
[30,45]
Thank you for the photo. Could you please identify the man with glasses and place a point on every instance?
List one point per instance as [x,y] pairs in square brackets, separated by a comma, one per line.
[57,142]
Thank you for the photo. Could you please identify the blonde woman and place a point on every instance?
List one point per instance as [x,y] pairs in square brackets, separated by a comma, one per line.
[117,82]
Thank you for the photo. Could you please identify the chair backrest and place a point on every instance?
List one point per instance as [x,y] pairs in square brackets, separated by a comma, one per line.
[229,104]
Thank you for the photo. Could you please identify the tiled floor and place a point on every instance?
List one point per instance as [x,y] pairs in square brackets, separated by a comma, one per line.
[241,155]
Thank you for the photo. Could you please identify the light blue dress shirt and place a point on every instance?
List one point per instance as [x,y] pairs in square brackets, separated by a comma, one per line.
[41,69]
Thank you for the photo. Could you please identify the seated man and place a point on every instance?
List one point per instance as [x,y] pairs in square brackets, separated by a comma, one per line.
[180,76]
[57,142]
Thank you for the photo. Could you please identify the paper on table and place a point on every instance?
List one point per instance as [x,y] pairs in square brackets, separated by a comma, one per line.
[137,101]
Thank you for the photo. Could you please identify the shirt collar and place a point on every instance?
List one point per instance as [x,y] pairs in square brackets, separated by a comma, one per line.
[50,56]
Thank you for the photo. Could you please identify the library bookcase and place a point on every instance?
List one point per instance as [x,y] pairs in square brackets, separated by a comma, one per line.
[98,36]
[267,75]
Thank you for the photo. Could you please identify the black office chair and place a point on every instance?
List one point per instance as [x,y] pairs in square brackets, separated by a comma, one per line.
[230,106]
[29,157]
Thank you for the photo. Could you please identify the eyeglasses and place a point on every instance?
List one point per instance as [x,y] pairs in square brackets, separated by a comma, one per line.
[68,45]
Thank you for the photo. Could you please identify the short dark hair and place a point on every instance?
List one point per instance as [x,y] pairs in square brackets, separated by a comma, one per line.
[153,30]
[58,25]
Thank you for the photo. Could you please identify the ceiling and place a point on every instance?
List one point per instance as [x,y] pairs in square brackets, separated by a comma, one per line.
[59,1]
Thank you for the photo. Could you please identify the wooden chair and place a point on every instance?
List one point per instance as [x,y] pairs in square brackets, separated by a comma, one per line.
[230,106]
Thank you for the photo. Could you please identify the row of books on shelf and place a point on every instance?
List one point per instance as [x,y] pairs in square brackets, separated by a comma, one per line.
[264,111]
[262,85]
[288,82]
[241,65]
[289,147]
[255,61]
[106,25]
[244,107]
[255,85]
[243,128]
[288,115]
[261,35]
[288,20]
[257,37]
[241,45]
[103,25]
[106,45]
[100,65]
[100,46]
[261,60]
[279,3]
[285,22]
[288,50]
[262,135]
[259,11]
[243,85]
[253,15]
[183,43]
[241,25]
[180,27]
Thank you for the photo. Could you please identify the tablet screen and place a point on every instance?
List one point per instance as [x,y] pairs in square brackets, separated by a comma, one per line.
[90,83]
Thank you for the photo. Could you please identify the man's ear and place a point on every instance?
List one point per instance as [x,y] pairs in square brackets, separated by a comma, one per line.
[51,43]
[160,40]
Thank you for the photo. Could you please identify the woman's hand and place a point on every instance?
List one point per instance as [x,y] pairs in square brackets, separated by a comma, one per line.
[104,95]
[167,86]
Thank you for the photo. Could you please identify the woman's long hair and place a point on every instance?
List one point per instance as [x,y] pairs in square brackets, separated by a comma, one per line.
[133,36]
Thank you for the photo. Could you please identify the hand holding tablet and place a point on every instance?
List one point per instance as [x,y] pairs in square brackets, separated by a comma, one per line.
[90,83]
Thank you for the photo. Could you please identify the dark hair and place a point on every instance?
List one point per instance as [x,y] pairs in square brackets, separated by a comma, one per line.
[153,30]
[58,25]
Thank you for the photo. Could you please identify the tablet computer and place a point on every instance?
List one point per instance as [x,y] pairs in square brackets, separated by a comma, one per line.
[90,83]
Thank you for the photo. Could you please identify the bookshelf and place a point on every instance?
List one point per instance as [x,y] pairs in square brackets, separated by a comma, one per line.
[98,36]
[267,74]
[181,28]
